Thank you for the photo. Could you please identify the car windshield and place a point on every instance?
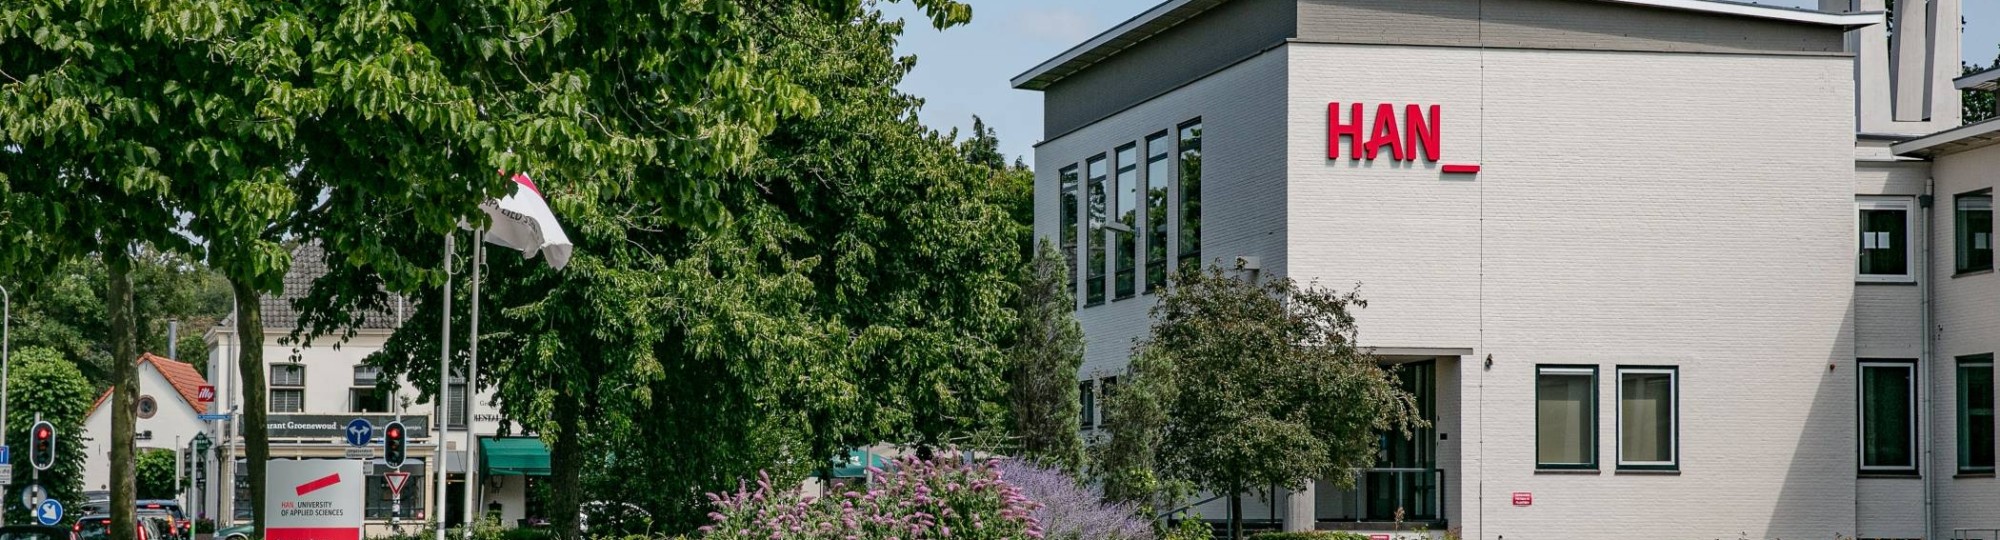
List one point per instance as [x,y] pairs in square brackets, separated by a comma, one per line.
[93,529]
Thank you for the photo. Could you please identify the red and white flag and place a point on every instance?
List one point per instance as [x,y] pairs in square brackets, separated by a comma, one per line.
[523,221]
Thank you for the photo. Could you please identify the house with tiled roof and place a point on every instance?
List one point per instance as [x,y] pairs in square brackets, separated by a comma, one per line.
[168,415]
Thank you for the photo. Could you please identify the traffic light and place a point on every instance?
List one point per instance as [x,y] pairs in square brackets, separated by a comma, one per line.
[42,446]
[394,445]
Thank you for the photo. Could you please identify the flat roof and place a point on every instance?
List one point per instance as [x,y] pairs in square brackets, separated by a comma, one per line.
[1988,80]
[1953,140]
[1173,12]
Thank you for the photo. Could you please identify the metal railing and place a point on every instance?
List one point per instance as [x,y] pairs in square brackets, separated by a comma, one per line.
[1397,494]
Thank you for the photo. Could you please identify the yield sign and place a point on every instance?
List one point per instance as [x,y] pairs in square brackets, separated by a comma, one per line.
[206,394]
[396,481]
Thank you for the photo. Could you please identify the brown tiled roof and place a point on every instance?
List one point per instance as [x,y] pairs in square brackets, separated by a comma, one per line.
[308,265]
[186,381]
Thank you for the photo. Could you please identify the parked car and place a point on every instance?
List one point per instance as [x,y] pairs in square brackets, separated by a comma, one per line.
[36,532]
[611,518]
[95,502]
[98,527]
[161,525]
[234,532]
[179,527]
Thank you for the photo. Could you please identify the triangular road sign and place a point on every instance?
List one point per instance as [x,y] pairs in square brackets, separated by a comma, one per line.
[396,481]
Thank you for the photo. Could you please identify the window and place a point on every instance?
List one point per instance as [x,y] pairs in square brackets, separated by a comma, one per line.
[1157,177]
[460,400]
[288,392]
[1973,226]
[1647,419]
[1975,414]
[1190,166]
[1126,226]
[367,399]
[1888,415]
[1885,239]
[1109,387]
[1067,177]
[1566,417]
[1088,400]
[1093,261]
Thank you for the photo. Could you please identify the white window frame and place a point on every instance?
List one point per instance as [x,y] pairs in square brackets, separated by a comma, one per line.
[272,388]
[1861,438]
[1674,435]
[1909,208]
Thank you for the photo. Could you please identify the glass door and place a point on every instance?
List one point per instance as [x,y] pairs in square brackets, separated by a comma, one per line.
[1405,476]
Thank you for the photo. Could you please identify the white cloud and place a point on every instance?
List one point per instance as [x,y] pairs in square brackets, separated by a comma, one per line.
[1063,25]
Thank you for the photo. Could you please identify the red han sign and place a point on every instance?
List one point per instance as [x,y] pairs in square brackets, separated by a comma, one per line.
[1524,498]
[1418,129]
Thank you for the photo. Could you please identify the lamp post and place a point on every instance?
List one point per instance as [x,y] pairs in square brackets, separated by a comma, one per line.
[6,336]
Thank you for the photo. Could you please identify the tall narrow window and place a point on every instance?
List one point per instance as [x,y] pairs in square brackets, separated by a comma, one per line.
[288,388]
[1885,239]
[1888,415]
[1125,226]
[1067,178]
[1566,417]
[1093,260]
[1975,414]
[1190,167]
[1158,148]
[1647,418]
[1087,399]
[1108,388]
[1973,227]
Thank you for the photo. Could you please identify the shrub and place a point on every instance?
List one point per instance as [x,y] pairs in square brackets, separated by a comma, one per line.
[941,498]
[1070,512]
[1311,535]
[1191,529]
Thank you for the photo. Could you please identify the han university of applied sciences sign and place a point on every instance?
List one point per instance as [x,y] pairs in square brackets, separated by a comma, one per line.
[314,499]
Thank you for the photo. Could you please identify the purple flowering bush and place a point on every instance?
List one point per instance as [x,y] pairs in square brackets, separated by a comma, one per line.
[1069,511]
[942,498]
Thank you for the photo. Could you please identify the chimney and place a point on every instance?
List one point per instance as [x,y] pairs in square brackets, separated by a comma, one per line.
[173,339]
[1903,82]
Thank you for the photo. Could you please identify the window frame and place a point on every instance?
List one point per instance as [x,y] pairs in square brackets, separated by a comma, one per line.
[272,388]
[1674,409]
[1960,243]
[1086,391]
[1096,234]
[1908,207]
[1861,415]
[1158,227]
[1596,414]
[1069,201]
[1191,130]
[1963,413]
[1125,169]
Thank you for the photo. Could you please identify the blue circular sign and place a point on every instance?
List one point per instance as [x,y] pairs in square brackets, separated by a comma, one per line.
[359,432]
[50,512]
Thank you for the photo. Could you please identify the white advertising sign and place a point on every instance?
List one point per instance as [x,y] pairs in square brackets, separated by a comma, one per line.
[314,499]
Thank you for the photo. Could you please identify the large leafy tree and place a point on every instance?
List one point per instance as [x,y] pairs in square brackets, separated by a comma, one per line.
[1261,383]
[64,310]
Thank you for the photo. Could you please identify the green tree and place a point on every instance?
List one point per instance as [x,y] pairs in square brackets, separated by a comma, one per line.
[1261,383]
[1043,356]
[1978,104]
[156,474]
[65,310]
[40,381]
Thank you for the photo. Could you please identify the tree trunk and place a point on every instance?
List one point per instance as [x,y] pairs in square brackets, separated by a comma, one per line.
[566,462]
[1236,515]
[125,392]
[250,362]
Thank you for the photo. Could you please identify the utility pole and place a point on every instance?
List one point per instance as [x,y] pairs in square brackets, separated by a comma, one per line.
[6,331]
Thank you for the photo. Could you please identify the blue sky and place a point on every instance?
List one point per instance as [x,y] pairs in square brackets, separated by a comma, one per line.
[964,71]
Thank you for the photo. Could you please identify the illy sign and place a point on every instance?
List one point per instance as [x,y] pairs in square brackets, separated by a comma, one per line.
[1402,130]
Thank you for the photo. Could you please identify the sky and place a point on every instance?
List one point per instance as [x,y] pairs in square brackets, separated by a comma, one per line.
[963,71]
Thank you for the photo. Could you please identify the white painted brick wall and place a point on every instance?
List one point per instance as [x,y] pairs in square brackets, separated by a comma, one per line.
[1968,322]
[1633,209]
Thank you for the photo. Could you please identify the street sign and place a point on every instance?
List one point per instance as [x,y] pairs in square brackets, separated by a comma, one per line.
[361,453]
[201,443]
[396,481]
[359,432]
[49,512]
[32,496]
[6,474]
[213,417]
[206,394]
[314,499]
[6,456]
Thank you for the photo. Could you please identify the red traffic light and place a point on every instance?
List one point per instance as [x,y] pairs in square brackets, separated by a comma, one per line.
[44,432]
[394,431]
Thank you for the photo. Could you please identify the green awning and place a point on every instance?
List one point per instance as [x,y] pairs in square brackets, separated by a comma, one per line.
[513,456]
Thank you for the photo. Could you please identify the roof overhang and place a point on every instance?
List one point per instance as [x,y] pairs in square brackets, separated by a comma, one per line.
[1950,141]
[1988,80]
[1173,12]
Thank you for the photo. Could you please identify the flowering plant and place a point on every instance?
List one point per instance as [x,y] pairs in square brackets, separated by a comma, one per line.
[1069,511]
[942,498]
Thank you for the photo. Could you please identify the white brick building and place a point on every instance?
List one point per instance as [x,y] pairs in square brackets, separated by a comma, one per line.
[1615,242]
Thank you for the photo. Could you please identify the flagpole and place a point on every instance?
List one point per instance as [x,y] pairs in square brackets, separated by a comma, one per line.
[472,389]
[444,389]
